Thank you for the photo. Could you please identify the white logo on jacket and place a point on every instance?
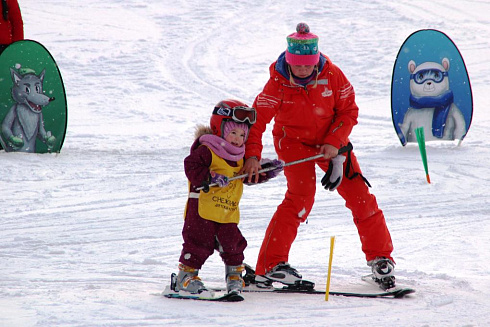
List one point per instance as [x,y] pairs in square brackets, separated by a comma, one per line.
[327,93]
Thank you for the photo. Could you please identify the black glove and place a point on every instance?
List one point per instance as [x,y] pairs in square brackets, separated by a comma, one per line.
[335,171]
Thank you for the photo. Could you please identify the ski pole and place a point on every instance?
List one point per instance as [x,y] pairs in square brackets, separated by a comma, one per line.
[344,149]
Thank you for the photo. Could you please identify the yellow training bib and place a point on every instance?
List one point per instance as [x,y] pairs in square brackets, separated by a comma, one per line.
[220,204]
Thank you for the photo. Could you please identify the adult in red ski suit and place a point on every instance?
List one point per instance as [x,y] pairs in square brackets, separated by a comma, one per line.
[313,114]
[11,24]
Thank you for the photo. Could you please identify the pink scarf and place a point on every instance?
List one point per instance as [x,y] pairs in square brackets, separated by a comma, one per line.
[222,148]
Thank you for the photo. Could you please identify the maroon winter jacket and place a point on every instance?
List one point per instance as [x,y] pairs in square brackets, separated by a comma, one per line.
[12,28]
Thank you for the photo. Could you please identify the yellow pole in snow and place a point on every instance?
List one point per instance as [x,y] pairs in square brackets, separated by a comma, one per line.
[332,243]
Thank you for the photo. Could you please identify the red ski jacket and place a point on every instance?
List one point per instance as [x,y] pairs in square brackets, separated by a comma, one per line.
[12,29]
[322,112]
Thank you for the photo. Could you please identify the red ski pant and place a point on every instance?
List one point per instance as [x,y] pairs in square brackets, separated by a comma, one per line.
[298,202]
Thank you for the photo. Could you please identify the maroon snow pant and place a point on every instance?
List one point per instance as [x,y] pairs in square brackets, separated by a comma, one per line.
[202,237]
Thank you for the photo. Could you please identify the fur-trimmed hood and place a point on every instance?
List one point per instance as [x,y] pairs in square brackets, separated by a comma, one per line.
[222,148]
[202,130]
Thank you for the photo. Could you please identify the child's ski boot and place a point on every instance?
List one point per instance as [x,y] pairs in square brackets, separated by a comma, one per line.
[234,280]
[187,280]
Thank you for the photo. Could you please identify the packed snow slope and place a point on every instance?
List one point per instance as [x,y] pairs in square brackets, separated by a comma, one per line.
[90,236]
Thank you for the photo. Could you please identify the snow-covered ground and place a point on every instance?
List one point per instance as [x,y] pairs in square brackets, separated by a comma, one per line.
[90,236]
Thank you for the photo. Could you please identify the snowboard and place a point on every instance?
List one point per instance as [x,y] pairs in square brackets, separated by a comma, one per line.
[308,287]
[33,109]
[430,88]
[396,292]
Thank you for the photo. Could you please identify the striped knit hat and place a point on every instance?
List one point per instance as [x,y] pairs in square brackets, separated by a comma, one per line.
[302,47]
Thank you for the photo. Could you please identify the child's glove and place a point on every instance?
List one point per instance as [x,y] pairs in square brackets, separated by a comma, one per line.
[219,179]
[276,163]
[335,171]
[215,178]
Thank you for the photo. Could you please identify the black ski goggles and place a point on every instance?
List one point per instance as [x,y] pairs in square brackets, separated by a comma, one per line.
[239,114]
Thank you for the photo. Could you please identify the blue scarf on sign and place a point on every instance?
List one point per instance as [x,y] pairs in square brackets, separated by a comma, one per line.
[441,104]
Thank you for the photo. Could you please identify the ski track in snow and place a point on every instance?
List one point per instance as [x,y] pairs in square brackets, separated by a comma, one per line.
[90,236]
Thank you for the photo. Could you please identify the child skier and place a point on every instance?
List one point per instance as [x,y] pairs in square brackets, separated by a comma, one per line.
[212,214]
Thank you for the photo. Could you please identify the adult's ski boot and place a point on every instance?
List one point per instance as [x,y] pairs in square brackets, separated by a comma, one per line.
[383,272]
[285,274]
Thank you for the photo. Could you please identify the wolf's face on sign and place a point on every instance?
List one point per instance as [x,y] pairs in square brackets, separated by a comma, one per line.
[28,89]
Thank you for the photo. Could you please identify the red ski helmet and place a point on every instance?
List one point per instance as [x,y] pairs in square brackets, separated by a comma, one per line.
[231,110]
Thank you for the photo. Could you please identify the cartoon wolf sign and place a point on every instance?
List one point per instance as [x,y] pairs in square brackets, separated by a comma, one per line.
[29,82]
[24,122]
[430,89]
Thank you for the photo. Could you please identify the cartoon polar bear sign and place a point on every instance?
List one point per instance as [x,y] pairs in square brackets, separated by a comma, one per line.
[431,104]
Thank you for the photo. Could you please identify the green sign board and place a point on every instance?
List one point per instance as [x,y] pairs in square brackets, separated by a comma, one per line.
[33,111]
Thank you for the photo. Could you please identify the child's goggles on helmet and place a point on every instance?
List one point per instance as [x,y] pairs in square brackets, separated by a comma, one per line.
[424,75]
[239,114]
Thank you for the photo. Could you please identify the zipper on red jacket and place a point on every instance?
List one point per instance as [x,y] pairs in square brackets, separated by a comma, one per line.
[282,138]
[336,128]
